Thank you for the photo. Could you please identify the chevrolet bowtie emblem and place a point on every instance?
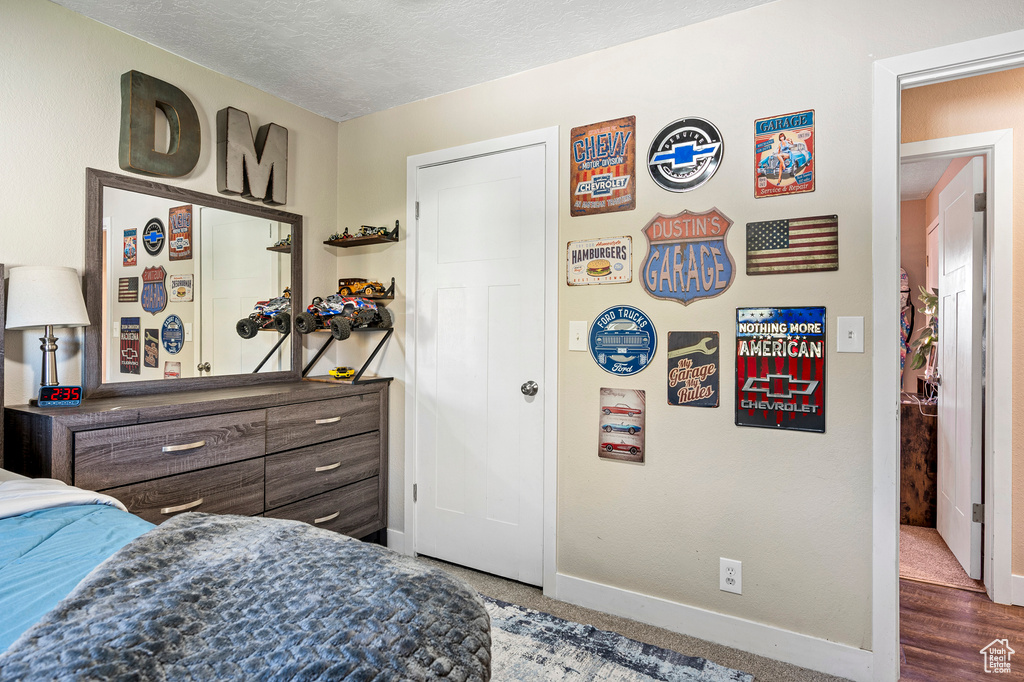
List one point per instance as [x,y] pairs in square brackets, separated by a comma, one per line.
[785,386]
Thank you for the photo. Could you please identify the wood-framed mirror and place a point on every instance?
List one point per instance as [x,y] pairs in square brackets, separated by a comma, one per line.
[186,290]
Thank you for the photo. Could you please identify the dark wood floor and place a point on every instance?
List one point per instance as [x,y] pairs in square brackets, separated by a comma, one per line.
[942,631]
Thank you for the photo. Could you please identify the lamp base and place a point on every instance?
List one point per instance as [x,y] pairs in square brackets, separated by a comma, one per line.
[49,348]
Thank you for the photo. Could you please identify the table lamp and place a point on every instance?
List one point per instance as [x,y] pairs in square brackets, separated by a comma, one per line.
[46,296]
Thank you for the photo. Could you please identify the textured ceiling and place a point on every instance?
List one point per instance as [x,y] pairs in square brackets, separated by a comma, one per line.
[918,178]
[347,58]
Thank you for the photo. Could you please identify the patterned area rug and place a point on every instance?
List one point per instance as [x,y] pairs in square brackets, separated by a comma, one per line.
[534,646]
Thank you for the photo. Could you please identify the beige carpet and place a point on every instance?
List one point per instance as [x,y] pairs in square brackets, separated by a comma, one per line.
[763,669]
[924,557]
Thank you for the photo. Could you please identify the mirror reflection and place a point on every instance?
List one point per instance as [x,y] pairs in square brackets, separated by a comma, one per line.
[191,291]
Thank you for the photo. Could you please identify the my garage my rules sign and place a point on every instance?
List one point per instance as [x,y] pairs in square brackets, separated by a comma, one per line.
[780,368]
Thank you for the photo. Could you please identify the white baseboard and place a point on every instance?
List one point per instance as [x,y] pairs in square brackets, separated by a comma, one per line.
[757,638]
[396,541]
[1017,589]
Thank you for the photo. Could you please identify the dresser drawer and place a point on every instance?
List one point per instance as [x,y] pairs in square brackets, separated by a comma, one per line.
[295,426]
[117,456]
[352,510]
[318,468]
[229,489]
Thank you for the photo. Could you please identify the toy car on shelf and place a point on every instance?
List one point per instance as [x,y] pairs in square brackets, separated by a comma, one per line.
[342,372]
[286,241]
[624,428]
[621,408]
[620,447]
[272,314]
[355,285]
[371,231]
[341,314]
[341,235]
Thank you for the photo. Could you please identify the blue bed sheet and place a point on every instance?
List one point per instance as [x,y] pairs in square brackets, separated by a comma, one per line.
[44,554]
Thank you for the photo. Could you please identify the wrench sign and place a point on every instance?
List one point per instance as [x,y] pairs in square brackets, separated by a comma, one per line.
[693,369]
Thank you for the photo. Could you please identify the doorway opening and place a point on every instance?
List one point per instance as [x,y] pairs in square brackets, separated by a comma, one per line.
[940,458]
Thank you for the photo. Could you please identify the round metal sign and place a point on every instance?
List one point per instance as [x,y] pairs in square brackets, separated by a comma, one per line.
[172,334]
[685,154]
[153,236]
[623,340]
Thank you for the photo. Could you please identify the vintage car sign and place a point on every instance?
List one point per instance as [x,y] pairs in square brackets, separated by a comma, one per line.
[172,334]
[153,236]
[784,154]
[599,261]
[687,257]
[780,368]
[602,167]
[131,254]
[693,368]
[154,293]
[685,154]
[623,424]
[130,345]
[623,340]
[179,229]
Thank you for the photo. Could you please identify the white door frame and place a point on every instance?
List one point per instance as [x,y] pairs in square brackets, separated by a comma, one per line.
[997,147]
[985,55]
[548,138]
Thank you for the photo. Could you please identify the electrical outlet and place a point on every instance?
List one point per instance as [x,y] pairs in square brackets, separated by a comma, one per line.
[730,575]
[578,335]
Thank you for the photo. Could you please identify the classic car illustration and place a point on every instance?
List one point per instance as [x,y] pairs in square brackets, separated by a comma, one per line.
[620,447]
[342,372]
[621,408]
[625,428]
[341,314]
[354,285]
[798,158]
[275,313]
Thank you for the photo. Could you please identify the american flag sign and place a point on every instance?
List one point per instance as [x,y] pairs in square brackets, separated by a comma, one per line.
[794,245]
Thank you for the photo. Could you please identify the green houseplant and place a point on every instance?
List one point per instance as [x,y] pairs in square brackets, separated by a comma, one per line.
[925,346]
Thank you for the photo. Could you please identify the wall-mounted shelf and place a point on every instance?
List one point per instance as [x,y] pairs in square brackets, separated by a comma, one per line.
[363,241]
[358,377]
[284,248]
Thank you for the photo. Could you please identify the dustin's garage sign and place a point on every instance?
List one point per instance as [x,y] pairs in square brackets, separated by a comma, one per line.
[687,257]
[780,368]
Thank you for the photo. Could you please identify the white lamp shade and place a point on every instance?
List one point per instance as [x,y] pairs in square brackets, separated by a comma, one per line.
[40,295]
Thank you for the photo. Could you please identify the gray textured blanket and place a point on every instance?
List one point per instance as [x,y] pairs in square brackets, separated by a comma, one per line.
[206,597]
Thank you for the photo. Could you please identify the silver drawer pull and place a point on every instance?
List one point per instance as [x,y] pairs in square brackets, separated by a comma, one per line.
[331,420]
[325,519]
[182,507]
[327,467]
[186,446]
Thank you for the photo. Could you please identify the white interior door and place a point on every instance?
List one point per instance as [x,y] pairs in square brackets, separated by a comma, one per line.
[479,337]
[961,235]
[237,271]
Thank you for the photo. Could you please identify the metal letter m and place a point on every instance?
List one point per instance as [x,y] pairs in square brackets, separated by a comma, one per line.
[255,169]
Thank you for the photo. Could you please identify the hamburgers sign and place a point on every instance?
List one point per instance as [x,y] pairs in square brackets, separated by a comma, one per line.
[600,261]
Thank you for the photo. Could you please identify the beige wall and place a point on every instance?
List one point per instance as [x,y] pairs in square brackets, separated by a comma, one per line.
[912,252]
[973,105]
[794,507]
[60,75]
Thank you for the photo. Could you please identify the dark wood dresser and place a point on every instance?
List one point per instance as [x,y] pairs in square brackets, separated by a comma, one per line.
[308,451]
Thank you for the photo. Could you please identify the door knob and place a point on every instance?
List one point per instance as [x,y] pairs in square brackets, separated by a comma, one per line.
[529,388]
[203,367]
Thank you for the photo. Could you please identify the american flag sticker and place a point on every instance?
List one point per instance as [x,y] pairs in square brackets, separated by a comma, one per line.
[794,245]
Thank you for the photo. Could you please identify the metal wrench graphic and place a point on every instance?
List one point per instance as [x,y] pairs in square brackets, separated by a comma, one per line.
[701,347]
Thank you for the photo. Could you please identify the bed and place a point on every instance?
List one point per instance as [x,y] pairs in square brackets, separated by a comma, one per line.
[89,591]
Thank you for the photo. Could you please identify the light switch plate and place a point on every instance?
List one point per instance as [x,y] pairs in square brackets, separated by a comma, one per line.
[188,331]
[850,334]
[578,335]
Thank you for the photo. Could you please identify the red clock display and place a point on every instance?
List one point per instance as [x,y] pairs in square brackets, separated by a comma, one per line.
[60,396]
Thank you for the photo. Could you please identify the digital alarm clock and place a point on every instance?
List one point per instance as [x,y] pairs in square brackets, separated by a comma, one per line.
[59,396]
